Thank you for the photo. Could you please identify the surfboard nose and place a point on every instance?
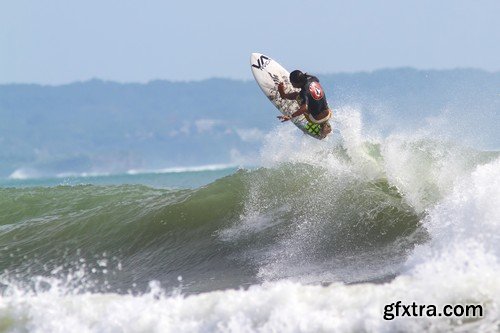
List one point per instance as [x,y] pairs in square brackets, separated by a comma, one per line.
[254,56]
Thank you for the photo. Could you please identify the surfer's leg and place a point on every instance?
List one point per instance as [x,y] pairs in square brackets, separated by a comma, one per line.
[326,129]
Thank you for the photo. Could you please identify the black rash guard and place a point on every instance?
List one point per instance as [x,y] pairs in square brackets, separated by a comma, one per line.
[313,95]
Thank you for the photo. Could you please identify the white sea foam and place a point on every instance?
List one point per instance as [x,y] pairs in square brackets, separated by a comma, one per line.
[273,307]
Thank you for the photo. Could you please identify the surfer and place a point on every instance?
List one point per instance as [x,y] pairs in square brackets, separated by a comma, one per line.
[311,98]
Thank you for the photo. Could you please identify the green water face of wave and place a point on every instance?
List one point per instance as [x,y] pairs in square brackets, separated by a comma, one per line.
[123,236]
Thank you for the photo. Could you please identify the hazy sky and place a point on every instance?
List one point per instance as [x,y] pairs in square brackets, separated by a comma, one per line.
[60,41]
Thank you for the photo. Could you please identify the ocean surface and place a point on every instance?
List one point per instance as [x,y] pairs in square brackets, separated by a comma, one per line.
[317,237]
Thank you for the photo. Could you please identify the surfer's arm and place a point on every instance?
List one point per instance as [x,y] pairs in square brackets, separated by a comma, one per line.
[300,111]
[284,95]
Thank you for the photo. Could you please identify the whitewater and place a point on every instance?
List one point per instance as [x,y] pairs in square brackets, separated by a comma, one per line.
[319,237]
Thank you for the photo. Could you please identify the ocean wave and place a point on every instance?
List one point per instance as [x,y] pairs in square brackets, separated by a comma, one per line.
[205,231]
[320,238]
[306,220]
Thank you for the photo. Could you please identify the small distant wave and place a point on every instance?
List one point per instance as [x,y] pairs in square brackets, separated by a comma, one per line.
[209,167]
[23,174]
[27,174]
[82,174]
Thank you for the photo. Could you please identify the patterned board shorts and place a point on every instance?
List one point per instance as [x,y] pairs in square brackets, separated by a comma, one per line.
[320,121]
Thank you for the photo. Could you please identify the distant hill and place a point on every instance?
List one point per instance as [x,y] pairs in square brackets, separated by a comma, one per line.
[112,127]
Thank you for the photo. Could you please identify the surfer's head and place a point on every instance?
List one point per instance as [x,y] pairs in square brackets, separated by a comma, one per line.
[297,78]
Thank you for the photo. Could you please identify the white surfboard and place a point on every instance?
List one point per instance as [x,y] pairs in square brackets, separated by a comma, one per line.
[268,74]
